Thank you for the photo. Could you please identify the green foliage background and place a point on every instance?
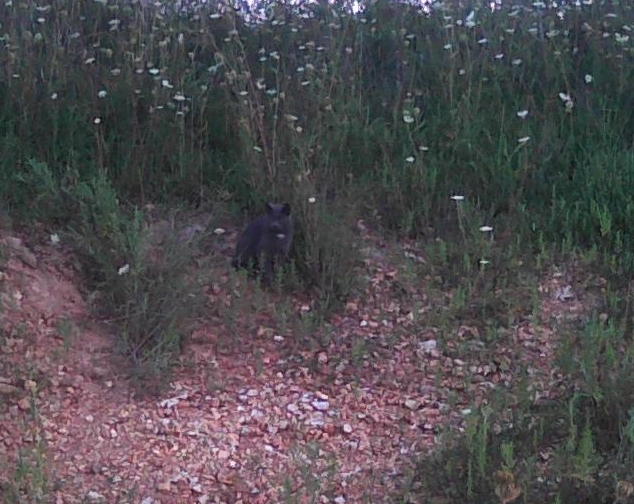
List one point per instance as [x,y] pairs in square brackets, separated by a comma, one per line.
[392,109]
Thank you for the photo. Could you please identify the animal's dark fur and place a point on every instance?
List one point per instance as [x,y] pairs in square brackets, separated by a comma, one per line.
[266,240]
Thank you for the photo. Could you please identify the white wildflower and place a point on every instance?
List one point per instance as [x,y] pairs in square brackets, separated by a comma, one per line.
[564,97]
[523,140]
[123,269]
[522,113]
[621,39]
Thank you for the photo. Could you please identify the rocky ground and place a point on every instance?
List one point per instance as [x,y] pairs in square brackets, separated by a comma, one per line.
[253,413]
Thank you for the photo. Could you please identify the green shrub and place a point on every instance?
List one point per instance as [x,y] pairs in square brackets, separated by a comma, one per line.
[142,278]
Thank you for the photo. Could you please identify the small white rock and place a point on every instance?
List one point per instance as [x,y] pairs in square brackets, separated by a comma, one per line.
[427,346]
[411,404]
[320,405]
[94,496]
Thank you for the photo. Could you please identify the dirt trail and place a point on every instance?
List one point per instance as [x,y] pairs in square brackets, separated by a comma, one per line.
[255,420]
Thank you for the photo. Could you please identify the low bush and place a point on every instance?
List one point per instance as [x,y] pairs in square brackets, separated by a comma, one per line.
[142,277]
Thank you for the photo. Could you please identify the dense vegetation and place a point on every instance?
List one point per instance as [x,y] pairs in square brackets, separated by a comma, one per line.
[525,110]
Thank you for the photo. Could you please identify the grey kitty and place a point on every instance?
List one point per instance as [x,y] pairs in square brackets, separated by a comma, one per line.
[267,238]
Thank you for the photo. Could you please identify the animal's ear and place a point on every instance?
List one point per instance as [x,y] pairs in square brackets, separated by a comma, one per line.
[286,209]
[269,208]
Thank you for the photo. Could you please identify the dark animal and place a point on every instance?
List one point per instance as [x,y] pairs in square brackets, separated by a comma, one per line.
[266,241]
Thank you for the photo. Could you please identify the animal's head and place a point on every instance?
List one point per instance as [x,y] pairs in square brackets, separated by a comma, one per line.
[279,219]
